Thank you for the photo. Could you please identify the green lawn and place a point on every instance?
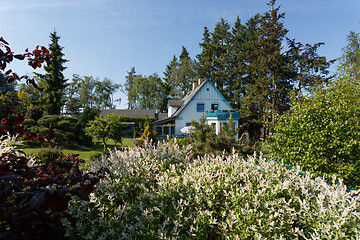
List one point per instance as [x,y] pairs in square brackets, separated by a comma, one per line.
[86,152]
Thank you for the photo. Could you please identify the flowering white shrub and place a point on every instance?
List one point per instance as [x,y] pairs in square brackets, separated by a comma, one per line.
[160,193]
[7,143]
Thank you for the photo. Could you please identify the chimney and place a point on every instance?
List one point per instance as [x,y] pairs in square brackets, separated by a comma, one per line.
[193,85]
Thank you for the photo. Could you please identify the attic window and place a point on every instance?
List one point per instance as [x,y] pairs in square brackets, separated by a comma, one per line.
[200,107]
[207,89]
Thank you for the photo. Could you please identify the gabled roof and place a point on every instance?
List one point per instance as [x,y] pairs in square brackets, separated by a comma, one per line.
[138,113]
[187,99]
[175,103]
[192,94]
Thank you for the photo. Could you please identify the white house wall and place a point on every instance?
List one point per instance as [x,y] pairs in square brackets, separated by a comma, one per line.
[207,95]
[171,110]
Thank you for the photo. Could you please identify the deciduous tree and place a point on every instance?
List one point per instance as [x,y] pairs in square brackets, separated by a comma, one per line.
[350,59]
[322,133]
[104,128]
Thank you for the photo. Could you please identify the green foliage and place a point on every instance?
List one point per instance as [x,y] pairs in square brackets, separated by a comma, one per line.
[8,94]
[88,114]
[322,133]
[309,69]
[182,142]
[34,114]
[49,154]
[54,80]
[56,130]
[204,140]
[148,134]
[32,97]
[162,193]
[179,75]
[105,127]
[254,71]
[350,59]
[143,92]
[89,92]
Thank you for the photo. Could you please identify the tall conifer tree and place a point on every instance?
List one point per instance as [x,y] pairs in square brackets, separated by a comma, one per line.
[270,91]
[186,73]
[54,80]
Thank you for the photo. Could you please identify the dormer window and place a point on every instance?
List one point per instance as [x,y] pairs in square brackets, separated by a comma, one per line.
[214,107]
[200,107]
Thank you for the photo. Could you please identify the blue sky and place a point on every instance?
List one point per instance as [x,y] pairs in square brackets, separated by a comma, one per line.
[105,38]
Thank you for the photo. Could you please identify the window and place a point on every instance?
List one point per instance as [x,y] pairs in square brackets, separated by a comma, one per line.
[200,107]
[187,124]
[213,125]
[214,107]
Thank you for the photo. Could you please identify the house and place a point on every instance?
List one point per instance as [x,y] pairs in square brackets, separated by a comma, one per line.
[132,118]
[204,98]
[132,113]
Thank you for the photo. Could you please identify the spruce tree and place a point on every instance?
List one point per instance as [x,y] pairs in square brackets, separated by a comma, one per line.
[214,60]
[54,80]
[205,57]
[187,73]
[269,92]
[309,70]
[168,83]
[241,77]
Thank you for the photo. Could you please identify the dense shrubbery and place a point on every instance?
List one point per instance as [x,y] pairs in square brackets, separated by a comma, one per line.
[34,196]
[57,130]
[204,140]
[47,155]
[322,133]
[163,193]
[105,127]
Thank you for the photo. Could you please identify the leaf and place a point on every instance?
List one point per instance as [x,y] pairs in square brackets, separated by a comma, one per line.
[83,196]
[60,203]
[37,199]
[75,180]
[44,49]
[10,79]
[19,56]
[3,40]
[8,50]
[4,168]
[5,190]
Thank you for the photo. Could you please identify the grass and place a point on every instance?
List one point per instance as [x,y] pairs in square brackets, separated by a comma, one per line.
[86,152]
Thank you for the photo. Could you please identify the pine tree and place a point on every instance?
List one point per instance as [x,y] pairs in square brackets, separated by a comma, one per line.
[241,77]
[205,57]
[215,58]
[54,80]
[308,68]
[168,83]
[186,73]
[269,93]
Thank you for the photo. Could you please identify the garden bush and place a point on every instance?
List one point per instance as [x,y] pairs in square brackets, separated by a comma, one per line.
[163,192]
[34,196]
[322,133]
[47,155]
[57,130]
